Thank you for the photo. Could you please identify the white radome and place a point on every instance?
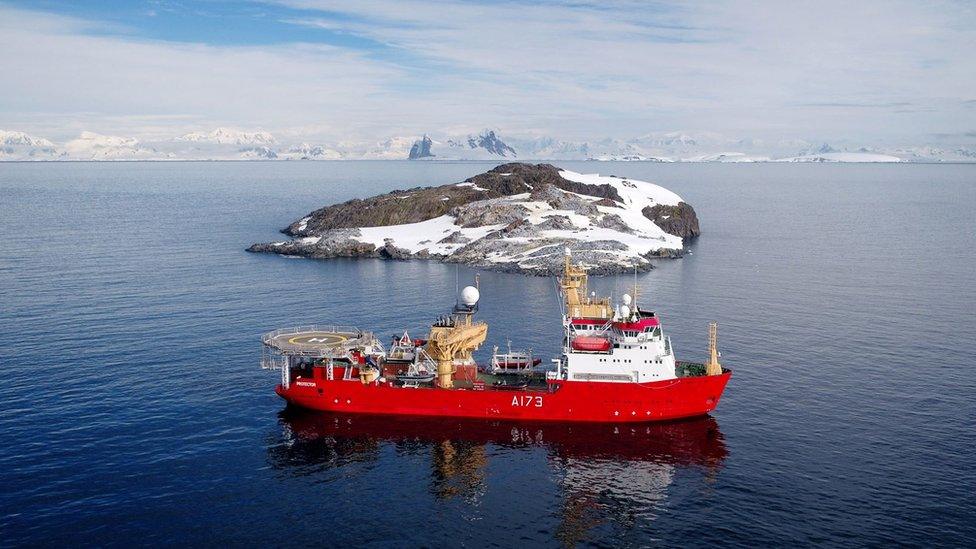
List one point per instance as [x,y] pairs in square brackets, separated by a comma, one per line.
[470,296]
[626,299]
[624,312]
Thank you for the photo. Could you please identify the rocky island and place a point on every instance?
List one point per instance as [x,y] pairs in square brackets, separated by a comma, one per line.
[516,217]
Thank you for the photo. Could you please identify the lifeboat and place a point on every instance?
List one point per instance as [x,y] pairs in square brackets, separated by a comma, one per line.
[591,343]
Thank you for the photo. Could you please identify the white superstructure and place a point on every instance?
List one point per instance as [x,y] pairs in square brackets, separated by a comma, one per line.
[610,342]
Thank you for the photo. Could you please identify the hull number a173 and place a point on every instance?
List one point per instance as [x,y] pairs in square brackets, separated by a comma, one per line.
[527,400]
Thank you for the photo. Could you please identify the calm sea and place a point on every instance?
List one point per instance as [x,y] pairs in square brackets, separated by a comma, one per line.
[134,411]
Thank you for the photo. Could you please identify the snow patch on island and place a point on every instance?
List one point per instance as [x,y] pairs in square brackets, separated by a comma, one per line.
[526,232]
[473,186]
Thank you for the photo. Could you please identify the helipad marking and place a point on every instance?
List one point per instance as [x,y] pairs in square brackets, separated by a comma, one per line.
[333,339]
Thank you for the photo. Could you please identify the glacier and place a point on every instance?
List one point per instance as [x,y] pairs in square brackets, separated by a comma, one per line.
[225,143]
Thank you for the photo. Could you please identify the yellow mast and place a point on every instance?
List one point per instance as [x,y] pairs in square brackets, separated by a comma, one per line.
[578,303]
[713,368]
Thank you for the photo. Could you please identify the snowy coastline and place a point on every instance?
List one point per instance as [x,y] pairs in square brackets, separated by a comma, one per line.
[236,144]
[613,223]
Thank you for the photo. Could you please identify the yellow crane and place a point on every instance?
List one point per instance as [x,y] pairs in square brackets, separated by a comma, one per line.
[454,337]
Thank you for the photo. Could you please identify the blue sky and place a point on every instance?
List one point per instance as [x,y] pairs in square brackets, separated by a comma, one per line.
[215,22]
[871,72]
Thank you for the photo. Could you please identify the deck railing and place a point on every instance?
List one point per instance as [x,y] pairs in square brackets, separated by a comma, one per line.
[274,362]
[266,338]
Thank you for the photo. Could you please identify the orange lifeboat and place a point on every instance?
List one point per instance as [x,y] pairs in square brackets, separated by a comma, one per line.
[591,343]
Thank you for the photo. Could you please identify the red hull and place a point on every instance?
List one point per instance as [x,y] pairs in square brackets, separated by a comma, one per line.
[571,401]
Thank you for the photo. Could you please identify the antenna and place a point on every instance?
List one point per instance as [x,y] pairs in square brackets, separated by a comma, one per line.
[559,297]
[635,285]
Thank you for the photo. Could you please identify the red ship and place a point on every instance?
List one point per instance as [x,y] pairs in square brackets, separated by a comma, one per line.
[616,366]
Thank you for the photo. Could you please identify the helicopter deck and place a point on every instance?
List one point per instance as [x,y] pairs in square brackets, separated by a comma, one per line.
[316,341]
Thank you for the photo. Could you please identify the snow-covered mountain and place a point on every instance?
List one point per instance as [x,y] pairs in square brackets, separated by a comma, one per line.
[489,144]
[633,157]
[227,136]
[94,146]
[305,151]
[224,144]
[21,146]
[726,157]
[929,154]
[258,153]
[842,157]
[393,148]
[549,148]
[8,138]
[484,146]
[825,148]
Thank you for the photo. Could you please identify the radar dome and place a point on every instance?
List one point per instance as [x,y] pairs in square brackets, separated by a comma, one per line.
[624,311]
[626,299]
[470,296]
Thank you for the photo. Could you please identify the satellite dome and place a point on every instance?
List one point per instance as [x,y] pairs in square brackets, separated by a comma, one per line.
[624,312]
[626,299]
[470,296]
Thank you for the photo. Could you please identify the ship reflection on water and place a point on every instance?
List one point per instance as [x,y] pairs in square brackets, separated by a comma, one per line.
[586,459]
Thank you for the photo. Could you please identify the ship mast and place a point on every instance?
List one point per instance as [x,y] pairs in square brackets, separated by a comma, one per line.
[713,368]
[574,287]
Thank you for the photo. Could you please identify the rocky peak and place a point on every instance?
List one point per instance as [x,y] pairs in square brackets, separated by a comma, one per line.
[822,149]
[421,148]
[491,143]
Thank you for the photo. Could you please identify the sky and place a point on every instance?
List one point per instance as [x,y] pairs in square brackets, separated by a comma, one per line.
[868,72]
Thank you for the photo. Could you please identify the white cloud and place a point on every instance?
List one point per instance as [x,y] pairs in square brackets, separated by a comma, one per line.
[52,73]
[830,70]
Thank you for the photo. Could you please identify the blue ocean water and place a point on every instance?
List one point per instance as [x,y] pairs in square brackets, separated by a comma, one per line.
[134,411]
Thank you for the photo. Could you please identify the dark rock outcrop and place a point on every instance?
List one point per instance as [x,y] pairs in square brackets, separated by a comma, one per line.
[454,238]
[599,191]
[679,220]
[390,251]
[613,221]
[338,243]
[423,203]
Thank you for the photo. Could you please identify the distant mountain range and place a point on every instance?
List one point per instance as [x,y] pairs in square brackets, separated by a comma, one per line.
[234,144]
